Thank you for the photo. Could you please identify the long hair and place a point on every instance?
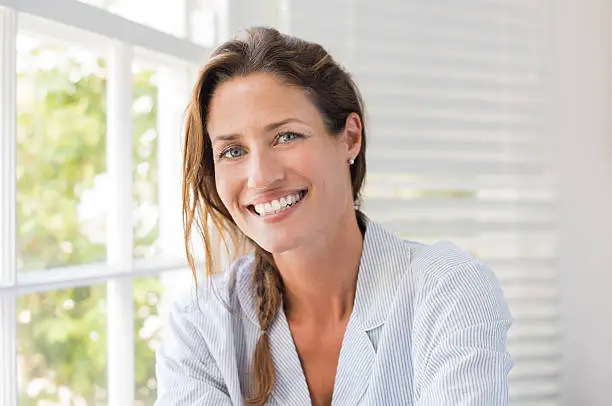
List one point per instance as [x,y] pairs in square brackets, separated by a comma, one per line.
[330,88]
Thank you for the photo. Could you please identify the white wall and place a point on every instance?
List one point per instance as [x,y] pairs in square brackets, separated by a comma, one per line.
[582,94]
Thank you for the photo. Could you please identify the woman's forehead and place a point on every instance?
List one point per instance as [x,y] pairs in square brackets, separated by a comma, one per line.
[257,101]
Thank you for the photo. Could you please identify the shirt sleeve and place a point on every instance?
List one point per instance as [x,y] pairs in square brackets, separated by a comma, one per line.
[187,374]
[459,341]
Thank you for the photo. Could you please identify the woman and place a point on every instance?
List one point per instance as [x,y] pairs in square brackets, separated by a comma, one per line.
[329,308]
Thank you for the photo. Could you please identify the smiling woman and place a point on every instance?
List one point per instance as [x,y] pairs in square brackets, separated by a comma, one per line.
[329,307]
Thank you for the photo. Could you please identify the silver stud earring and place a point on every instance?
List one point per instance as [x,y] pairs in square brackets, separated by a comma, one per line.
[351,161]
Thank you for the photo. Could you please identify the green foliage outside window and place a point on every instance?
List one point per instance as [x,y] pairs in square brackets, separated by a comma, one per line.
[61,152]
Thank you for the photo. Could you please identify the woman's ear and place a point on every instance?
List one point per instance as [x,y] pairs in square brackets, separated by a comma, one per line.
[353,131]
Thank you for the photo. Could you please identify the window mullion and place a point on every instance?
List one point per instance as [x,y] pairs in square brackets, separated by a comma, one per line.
[8,197]
[120,315]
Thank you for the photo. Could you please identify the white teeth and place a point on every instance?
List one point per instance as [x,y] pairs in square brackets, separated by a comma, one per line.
[278,205]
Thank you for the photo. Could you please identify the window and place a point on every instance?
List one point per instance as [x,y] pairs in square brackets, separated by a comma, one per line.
[61,151]
[62,346]
[95,209]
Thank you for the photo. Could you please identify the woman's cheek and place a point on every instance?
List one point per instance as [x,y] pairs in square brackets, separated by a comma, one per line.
[306,161]
[224,188]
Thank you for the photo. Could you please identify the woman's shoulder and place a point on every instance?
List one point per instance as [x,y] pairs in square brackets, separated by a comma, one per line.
[444,268]
[448,275]
[440,259]
[417,270]
[413,274]
[414,259]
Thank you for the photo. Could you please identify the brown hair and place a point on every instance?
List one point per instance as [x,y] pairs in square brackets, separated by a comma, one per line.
[297,63]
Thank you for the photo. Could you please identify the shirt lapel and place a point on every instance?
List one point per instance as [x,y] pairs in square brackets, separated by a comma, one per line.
[290,385]
[355,364]
[384,259]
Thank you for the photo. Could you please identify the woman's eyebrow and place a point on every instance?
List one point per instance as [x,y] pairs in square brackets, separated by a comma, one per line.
[273,126]
[267,128]
[226,137]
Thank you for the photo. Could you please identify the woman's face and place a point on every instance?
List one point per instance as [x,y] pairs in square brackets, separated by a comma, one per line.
[282,176]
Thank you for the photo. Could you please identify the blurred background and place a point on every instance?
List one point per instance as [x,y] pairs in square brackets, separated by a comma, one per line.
[489,124]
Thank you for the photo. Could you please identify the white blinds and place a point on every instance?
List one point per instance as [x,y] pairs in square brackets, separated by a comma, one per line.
[456,149]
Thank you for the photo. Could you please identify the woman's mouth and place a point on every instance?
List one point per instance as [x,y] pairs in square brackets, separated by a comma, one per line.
[278,205]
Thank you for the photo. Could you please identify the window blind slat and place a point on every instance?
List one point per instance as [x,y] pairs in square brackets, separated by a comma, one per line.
[429,166]
[467,207]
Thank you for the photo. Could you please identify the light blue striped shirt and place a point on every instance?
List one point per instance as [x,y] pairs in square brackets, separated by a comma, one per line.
[428,328]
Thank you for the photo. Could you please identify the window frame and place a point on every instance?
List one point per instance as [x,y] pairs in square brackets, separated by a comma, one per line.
[8,213]
[121,41]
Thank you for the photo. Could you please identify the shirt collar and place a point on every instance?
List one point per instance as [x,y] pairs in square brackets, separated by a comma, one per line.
[384,260]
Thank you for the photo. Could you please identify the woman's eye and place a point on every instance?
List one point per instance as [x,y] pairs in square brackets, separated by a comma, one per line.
[232,153]
[286,137]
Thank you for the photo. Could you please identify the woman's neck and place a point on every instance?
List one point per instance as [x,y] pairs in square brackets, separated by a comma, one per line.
[320,279]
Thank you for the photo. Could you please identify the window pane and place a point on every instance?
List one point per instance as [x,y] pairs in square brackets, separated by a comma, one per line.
[62,347]
[160,95]
[208,21]
[168,16]
[163,15]
[145,137]
[152,300]
[61,127]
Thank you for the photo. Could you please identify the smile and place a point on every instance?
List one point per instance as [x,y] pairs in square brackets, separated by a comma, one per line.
[278,205]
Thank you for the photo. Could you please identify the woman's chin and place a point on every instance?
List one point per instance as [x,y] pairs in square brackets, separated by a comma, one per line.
[277,247]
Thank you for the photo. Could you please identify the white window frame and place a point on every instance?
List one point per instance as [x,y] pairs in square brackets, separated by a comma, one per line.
[120,40]
[8,213]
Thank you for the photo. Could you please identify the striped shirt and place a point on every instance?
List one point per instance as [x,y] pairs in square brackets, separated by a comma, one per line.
[428,328]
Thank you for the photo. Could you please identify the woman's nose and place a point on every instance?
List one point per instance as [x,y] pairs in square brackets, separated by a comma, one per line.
[264,170]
